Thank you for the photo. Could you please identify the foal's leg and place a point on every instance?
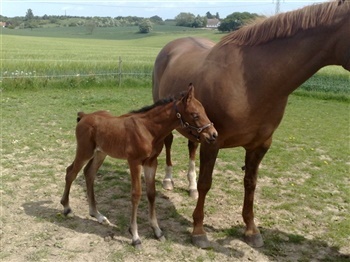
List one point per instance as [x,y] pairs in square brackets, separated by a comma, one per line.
[90,171]
[150,172]
[252,160]
[84,152]
[136,191]
[168,182]
[71,174]
[191,175]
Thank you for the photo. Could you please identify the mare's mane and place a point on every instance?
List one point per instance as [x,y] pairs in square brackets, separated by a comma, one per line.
[285,24]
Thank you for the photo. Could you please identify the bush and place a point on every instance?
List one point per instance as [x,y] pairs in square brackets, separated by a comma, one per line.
[145,26]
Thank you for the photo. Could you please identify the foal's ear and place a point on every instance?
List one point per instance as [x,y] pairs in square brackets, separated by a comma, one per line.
[190,93]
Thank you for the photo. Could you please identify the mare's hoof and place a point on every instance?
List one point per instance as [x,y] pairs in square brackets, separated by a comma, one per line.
[137,244]
[201,241]
[193,193]
[255,240]
[168,184]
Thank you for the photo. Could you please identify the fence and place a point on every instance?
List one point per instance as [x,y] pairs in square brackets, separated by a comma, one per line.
[32,75]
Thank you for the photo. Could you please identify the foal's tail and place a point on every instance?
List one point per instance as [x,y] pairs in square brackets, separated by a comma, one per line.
[80,116]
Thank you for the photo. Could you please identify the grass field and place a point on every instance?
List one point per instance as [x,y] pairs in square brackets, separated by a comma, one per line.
[69,57]
[302,200]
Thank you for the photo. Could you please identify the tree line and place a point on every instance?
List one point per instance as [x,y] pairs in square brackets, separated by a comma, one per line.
[230,23]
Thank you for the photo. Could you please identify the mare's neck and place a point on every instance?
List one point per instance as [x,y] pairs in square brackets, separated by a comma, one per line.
[282,65]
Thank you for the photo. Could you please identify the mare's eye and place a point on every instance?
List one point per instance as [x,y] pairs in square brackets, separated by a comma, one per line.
[195,116]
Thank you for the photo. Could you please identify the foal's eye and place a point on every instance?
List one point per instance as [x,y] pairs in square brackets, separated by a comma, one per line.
[195,116]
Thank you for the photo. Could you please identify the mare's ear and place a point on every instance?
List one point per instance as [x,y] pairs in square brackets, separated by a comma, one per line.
[190,93]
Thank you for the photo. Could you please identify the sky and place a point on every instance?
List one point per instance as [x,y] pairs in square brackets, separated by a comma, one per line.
[166,9]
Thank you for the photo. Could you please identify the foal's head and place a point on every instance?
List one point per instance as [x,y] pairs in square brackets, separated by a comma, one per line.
[193,117]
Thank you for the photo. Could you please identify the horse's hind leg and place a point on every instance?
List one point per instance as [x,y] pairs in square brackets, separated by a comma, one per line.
[136,190]
[71,174]
[90,172]
[168,182]
[150,172]
[191,175]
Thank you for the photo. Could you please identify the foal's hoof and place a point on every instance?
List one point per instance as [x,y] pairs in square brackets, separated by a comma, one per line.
[193,193]
[168,184]
[255,240]
[161,238]
[201,241]
[67,211]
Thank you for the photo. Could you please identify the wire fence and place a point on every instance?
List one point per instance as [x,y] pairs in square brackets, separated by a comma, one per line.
[118,73]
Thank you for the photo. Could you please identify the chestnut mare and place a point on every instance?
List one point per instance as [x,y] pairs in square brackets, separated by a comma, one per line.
[137,137]
[245,81]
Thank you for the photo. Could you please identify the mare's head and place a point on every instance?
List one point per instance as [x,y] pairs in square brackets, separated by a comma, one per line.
[194,119]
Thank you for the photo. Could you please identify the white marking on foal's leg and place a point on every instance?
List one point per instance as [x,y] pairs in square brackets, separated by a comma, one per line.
[100,218]
[168,182]
[192,176]
[151,194]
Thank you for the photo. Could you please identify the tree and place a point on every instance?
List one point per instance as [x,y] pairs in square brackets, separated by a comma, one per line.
[235,20]
[29,15]
[145,26]
[199,22]
[190,20]
[185,19]
[209,15]
[156,19]
[90,26]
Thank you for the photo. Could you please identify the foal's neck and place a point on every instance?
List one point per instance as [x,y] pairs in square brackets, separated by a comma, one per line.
[162,119]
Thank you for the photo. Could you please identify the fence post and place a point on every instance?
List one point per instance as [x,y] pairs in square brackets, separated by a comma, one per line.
[120,70]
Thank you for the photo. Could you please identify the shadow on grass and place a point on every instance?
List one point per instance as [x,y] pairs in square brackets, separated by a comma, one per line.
[113,195]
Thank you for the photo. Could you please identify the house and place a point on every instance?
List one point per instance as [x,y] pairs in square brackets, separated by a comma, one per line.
[2,24]
[213,23]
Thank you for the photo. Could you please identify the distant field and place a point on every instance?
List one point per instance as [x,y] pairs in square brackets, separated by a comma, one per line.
[70,56]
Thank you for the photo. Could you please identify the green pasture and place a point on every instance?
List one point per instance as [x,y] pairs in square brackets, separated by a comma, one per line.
[70,57]
[48,75]
[302,200]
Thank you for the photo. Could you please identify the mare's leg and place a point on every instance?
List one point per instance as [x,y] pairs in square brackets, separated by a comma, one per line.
[252,160]
[208,154]
[82,156]
[168,182]
[90,171]
[191,175]
[136,190]
[150,172]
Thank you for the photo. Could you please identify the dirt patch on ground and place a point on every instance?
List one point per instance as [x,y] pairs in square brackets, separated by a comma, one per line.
[34,229]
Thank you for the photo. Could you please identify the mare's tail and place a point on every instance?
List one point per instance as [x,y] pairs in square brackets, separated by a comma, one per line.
[80,116]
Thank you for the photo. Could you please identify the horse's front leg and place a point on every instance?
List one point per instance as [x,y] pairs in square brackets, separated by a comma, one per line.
[150,171]
[90,171]
[168,182]
[252,160]
[208,154]
[136,191]
[191,174]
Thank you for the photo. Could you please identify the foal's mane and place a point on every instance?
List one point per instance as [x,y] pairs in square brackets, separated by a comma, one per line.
[284,24]
[156,104]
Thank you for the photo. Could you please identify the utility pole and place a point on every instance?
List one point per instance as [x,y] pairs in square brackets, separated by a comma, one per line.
[277,9]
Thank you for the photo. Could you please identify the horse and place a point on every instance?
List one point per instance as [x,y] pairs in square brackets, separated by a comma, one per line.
[245,80]
[137,137]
